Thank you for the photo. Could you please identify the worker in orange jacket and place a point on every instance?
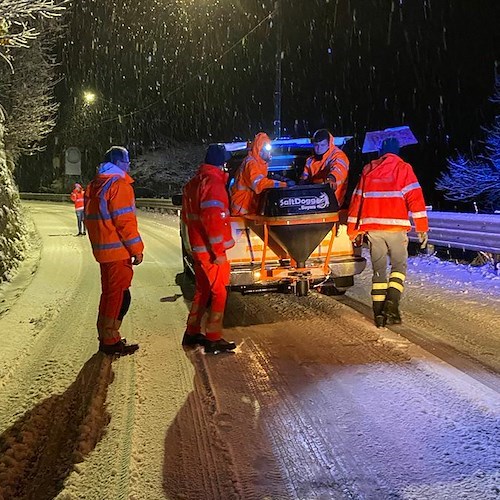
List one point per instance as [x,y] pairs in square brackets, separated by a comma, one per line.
[205,211]
[251,177]
[386,192]
[116,243]
[77,197]
[328,164]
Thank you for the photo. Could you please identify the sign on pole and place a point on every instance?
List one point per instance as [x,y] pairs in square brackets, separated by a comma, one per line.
[73,162]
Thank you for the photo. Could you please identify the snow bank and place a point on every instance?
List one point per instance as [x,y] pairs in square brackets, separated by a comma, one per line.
[13,232]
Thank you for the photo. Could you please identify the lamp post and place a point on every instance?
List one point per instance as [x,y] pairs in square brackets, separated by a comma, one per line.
[277,87]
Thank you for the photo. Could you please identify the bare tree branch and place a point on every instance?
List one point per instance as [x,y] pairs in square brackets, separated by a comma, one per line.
[478,178]
[17,10]
[15,19]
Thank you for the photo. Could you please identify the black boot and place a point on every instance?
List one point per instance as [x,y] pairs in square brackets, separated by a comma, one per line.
[391,311]
[378,313]
[193,339]
[121,348]
[217,346]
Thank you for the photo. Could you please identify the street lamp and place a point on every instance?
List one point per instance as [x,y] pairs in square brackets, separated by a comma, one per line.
[89,97]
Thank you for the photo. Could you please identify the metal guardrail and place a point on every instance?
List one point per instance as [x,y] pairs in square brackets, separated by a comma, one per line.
[477,232]
[156,203]
[159,203]
[45,197]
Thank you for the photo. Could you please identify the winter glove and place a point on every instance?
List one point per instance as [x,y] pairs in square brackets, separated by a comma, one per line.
[137,259]
[332,181]
[290,183]
[358,241]
[423,238]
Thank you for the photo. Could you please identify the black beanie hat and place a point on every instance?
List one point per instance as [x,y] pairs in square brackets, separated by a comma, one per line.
[321,135]
[217,155]
[389,145]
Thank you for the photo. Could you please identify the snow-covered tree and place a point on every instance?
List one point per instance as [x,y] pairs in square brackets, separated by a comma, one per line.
[27,109]
[16,22]
[27,96]
[477,178]
[12,229]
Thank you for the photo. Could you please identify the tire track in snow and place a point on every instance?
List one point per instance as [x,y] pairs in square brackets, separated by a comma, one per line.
[379,386]
[195,441]
[352,342]
[41,448]
[318,473]
[461,360]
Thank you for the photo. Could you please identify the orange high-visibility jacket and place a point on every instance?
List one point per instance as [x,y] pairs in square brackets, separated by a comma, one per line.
[251,179]
[333,166]
[110,215]
[77,197]
[205,211]
[386,192]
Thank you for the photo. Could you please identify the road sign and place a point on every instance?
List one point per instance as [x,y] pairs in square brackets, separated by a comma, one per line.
[73,161]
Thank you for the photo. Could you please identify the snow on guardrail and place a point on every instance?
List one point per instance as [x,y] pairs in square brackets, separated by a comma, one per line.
[478,232]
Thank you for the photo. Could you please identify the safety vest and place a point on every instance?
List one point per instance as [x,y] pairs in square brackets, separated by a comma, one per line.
[77,196]
[251,179]
[205,211]
[387,191]
[110,215]
[332,166]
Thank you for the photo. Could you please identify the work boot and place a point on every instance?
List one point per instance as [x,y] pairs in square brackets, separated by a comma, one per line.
[378,313]
[193,339]
[391,311]
[121,348]
[217,346]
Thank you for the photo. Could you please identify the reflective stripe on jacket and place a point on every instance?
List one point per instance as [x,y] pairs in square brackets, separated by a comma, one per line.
[205,211]
[251,179]
[77,197]
[386,192]
[332,166]
[110,215]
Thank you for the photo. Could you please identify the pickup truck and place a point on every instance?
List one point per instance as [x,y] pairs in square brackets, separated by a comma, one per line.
[297,240]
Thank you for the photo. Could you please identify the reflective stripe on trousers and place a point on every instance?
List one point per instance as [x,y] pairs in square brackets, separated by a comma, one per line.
[392,244]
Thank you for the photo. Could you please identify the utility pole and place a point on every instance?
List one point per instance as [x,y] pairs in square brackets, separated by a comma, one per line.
[277,88]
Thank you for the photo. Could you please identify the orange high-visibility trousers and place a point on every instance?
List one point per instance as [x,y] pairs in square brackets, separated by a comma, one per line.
[210,294]
[116,278]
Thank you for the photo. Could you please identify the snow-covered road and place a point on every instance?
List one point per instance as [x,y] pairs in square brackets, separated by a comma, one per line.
[315,403]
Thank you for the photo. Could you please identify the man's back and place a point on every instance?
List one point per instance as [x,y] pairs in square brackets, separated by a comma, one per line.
[387,190]
[205,210]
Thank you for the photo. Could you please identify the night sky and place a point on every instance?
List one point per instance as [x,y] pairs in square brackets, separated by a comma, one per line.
[348,65]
